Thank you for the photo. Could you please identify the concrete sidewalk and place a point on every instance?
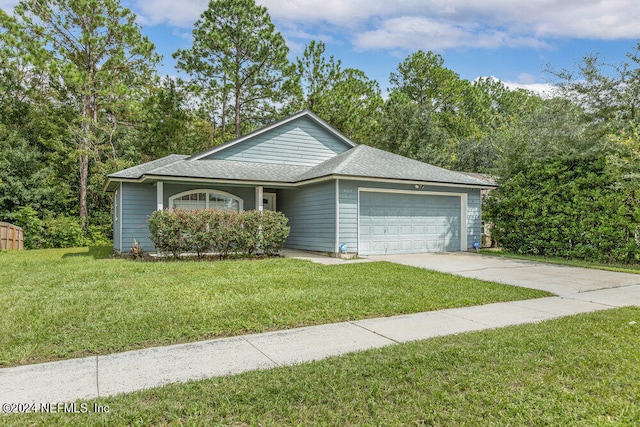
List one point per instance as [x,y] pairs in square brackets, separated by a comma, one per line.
[92,377]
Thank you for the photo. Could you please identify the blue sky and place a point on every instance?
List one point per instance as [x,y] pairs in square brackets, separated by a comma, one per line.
[512,40]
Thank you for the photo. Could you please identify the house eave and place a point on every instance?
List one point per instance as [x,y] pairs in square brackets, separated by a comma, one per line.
[293,184]
[217,180]
[392,181]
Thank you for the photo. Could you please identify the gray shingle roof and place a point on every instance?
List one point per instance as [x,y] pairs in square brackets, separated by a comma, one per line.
[369,162]
[361,161]
[232,170]
[140,170]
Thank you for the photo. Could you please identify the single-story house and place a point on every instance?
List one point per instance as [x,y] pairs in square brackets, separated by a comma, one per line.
[337,195]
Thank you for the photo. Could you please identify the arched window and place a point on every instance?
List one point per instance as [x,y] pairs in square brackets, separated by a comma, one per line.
[205,199]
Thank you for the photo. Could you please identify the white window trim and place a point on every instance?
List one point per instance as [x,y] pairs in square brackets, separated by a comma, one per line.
[207,191]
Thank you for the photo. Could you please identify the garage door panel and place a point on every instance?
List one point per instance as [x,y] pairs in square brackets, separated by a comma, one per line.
[408,223]
[407,230]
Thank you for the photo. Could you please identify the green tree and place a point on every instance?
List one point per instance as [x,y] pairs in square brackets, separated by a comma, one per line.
[424,79]
[608,93]
[239,62]
[94,57]
[317,75]
[166,119]
[346,98]
[27,179]
[413,130]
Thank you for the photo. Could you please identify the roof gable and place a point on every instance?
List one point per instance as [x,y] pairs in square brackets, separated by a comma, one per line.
[302,140]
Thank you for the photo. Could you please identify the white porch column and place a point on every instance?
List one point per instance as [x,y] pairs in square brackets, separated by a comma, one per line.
[159,195]
[259,198]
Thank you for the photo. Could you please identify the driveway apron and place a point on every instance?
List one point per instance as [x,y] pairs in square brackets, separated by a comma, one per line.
[561,280]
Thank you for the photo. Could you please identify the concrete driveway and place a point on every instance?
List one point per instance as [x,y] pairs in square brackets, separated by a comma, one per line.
[560,280]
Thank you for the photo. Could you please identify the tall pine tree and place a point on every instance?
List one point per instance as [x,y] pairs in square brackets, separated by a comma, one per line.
[239,60]
[95,57]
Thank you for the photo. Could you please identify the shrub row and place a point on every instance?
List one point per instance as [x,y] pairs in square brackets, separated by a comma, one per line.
[570,208]
[221,232]
[58,231]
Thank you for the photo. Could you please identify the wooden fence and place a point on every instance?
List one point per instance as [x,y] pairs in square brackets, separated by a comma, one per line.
[11,236]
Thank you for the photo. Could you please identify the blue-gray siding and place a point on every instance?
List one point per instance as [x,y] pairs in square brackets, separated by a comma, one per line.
[348,229]
[300,142]
[312,212]
[138,202]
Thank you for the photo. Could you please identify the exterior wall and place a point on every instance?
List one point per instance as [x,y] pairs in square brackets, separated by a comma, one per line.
[474,217]
[138,202]
[312,212]
[348,229]
[300,142]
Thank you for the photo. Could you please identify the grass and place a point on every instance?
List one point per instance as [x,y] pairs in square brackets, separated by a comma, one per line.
[578,370]
[621,268]
[61,304]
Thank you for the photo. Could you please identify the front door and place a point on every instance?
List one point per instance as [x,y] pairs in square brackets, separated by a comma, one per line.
[269,201]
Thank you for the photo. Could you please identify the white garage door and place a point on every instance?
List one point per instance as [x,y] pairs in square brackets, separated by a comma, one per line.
[392,223]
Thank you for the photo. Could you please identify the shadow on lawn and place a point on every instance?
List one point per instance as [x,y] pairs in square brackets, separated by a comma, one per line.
[96,252]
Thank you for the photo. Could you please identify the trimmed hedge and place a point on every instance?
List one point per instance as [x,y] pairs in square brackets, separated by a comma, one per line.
[221,232]
[567,207]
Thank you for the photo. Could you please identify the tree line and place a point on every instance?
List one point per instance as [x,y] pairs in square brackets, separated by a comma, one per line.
[81,97]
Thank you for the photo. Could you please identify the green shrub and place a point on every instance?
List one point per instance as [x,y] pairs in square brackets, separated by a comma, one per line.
[567,207]
[274,232]
[32,226]
[52,231]
[166,231]
[221,232]
[64,232]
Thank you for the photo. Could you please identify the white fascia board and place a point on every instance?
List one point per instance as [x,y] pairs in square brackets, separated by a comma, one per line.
[217,181]
[390,181]
[295,184]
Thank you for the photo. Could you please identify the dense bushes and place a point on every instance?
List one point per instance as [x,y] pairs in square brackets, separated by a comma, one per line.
[221,232]
[571,208]
[55,231]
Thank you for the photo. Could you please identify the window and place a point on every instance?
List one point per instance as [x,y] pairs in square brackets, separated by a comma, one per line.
[205,199]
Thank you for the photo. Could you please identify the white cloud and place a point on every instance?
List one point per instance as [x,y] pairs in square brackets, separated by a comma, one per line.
[545,90]
[433,24]
[180,14]
[527,81]
[429,34]
[466,23]
[333,12]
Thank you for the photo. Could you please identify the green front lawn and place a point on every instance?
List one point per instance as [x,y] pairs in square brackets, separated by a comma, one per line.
[578,370]
[66,303]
